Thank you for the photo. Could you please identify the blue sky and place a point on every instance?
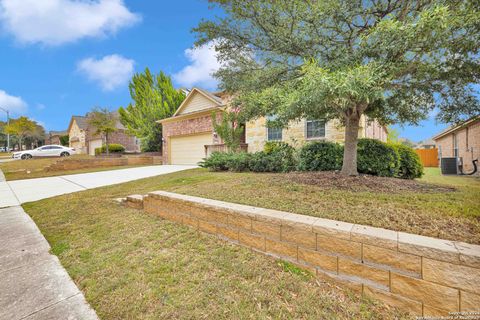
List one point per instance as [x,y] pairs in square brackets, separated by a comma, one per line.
[59,58]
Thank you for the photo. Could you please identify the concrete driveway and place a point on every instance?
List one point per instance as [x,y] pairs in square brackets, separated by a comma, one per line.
[20,191]
[33,284]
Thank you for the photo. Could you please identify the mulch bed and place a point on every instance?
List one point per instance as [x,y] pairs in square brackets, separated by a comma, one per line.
[334,180]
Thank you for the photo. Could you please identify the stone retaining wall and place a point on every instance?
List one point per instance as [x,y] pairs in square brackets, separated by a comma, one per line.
[75,164]
[426,276]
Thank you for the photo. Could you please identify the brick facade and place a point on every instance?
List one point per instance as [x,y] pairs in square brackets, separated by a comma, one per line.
[425,276]
[465,139]
[53,140]
[202,123]
[130,143]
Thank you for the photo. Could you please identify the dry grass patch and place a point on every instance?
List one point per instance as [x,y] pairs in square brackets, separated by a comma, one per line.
[35,168]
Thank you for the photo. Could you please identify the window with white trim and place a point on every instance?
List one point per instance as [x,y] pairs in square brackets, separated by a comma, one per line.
[273,134]
[315,129]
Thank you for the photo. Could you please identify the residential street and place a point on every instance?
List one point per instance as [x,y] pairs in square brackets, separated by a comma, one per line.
[34,284]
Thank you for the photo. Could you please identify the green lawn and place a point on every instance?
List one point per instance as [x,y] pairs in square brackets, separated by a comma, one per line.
[133,265]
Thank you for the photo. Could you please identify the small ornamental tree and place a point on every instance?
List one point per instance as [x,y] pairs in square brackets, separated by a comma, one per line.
[229,128]
[393,60]
[102,122]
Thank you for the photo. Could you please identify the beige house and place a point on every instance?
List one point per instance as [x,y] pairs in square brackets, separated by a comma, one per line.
[188,136]
[77,132]
[83,139]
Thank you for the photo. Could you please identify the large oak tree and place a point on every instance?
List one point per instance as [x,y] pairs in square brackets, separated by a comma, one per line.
[394,60]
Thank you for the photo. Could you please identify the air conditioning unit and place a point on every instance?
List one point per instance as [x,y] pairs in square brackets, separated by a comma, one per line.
[449,165]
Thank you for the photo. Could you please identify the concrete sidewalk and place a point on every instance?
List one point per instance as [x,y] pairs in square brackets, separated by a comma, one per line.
[20,191]
[34,285]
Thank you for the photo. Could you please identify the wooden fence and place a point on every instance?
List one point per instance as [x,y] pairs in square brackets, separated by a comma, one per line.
[429,157]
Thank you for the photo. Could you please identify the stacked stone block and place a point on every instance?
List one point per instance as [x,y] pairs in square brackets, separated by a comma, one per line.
[425,276]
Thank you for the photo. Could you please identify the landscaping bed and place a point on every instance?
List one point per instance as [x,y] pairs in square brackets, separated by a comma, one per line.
[334,180]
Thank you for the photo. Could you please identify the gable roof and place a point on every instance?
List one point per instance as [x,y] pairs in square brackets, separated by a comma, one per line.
[58,133]
[81,121]
[211,96]
[457,127]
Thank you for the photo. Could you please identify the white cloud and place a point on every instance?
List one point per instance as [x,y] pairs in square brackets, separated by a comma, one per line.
[55,22]
[14,104]
[203,63]
[110,72]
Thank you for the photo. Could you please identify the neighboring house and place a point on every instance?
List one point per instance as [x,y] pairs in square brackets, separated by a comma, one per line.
[83,139]
[426,144]
[462,142]
[54,137]
[188,136]
[77,134]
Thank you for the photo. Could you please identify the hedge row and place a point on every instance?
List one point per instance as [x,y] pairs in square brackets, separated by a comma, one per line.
[112,148]
[275,158]
[374,157]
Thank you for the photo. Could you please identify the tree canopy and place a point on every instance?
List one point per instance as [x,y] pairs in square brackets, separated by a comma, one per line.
[24,128]
[394,60]
[154,98]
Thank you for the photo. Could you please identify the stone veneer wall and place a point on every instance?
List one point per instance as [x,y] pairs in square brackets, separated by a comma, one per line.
[295,134]
[423,275]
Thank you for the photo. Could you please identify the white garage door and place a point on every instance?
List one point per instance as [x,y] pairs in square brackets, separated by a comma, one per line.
[189,149]
[93,144]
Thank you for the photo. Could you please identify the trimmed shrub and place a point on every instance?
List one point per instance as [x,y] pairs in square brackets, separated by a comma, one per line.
[282,155]
[410,166]
[112,148]
[238,161]
[377,158]
[320,156]
[217,161]
[264,162]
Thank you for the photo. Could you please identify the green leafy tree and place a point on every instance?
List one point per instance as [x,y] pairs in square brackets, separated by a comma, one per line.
[229,129]
[103,122]
[154,98]
[36,137]
[22,128]
[393,135]
[394,60]
[64,140]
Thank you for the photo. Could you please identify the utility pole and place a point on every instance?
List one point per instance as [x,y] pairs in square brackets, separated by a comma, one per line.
[8,123]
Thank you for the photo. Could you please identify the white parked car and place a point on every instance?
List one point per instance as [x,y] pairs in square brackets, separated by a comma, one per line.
[44,151]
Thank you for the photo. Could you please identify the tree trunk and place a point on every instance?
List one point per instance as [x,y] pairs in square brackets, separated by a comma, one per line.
[106,143]
[352,124]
